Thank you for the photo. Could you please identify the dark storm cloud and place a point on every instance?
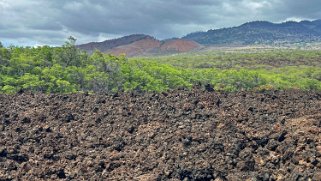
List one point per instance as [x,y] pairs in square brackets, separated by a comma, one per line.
[50,22]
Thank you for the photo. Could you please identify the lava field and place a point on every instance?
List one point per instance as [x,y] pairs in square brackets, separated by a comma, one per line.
[177,135]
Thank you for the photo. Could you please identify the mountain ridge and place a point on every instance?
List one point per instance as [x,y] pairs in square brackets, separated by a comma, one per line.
[112,43]
[250,33]
[260,32]
[140,44]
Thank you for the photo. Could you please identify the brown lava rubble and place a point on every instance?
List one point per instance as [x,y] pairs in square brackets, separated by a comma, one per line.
[178,135]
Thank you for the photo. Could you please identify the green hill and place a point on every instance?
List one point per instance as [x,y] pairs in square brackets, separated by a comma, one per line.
[261,32]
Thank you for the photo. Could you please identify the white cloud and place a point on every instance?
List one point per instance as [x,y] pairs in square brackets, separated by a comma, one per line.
[73,6]
[296,19]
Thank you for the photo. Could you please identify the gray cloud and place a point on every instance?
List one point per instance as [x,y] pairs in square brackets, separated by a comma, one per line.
[36,22]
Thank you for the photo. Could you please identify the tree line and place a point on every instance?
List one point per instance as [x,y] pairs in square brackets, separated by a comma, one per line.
[67,69]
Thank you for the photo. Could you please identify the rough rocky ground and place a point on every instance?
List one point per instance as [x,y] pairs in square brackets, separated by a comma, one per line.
[179,135]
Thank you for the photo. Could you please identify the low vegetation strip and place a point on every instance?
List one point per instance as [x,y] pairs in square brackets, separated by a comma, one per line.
[177,135]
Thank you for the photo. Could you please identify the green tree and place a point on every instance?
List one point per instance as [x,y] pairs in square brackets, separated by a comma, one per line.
[70,55]
[32,82]
[4,57]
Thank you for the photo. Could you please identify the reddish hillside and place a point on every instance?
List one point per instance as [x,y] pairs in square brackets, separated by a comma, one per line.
[179,45]
[141,45]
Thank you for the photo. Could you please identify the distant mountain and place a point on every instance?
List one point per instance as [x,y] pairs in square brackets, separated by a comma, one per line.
[260,32]
[109,44]
[139,45]
[256,32]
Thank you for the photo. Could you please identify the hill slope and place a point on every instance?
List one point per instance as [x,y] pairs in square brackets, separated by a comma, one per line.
[109,44]
[138,45]
[261,32]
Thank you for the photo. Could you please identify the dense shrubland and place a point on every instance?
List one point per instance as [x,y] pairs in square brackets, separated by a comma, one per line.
[247,58]
[66,69]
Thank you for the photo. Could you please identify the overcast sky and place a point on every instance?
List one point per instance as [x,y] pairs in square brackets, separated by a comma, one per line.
[38,22]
